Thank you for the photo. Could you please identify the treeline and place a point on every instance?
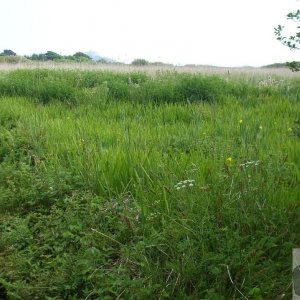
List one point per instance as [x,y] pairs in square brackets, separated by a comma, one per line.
[53,56]
[50,55]
[10,56]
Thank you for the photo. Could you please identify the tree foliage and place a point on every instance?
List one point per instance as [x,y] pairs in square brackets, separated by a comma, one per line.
[8,52]
[53,56]
[81,56]
[292,41]
[49,55]
[140,62]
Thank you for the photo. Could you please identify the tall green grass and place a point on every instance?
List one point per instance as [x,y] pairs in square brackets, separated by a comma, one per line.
[94,194]
[71,87]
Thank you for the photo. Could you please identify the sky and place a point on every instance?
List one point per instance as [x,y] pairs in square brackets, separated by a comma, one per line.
[228,33]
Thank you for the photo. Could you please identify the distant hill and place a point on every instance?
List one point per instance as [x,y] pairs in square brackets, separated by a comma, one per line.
[276,65]
[96,57]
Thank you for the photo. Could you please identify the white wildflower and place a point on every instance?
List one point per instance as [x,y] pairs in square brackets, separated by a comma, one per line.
[184,183]
[249,163]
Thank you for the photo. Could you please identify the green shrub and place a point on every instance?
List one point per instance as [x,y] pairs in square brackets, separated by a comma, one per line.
[140,62]
[8,52]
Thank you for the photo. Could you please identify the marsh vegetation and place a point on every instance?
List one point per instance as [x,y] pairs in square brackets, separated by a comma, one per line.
[172,185]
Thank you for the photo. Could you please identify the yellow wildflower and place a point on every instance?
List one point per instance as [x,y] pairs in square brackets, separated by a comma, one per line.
[241,121]
[229,161]
[290,130]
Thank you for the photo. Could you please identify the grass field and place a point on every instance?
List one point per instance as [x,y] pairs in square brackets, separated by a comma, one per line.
[117,185]
[152,69]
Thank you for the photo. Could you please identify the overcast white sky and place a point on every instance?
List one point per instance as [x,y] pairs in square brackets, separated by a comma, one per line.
[212,32]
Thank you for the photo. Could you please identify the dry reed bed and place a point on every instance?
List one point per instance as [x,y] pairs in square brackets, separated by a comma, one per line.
[155,69]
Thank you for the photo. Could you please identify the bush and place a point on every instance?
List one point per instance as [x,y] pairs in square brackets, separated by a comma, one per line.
[140,62]
[8,53]
[49,55]
[81,56]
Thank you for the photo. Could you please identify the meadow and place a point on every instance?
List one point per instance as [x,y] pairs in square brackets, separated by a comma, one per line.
[148,185]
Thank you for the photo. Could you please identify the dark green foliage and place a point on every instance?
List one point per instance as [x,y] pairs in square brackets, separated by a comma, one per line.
[35,57]
[294,66]
[276,65]
[53,56]
[8,53]
[81,56]
[49,55]
[140,62]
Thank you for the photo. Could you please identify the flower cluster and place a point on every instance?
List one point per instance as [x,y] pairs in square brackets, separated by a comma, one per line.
[270,82]
[184,184]
[249,163]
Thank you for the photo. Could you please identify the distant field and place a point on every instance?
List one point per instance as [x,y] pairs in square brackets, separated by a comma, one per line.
[153,69]
[116,184]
